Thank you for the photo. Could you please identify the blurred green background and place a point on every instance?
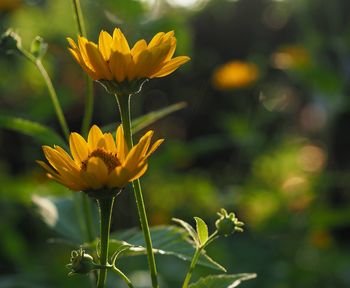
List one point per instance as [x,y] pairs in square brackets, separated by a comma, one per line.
[274,148]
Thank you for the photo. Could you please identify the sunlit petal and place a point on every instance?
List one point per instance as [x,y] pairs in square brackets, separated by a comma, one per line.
[95,134]
[96,173]
[105,44]
[78,147]
[171,66]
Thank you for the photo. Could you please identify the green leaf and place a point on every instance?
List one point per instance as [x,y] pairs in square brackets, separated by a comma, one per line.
[202,230]
[39,132]
[189,229]
[151,117]
[167,240]
[61,215]
[222,281]
[148,119]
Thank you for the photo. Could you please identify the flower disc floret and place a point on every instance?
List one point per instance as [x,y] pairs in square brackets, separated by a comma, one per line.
[113,59]
[100,162]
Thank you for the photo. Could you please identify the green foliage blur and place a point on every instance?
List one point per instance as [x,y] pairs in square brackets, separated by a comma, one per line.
[275,151]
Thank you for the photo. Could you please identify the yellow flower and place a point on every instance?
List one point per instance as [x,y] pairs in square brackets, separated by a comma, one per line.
[235,74]
[100,162]
[112,58]
[9,5]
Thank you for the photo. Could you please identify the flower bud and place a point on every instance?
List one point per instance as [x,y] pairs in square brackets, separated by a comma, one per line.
[228,223]
[10,42]
[38,47]
[80,262]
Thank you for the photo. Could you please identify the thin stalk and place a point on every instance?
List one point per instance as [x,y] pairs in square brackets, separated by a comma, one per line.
[89,106]
[106,207]
[79,17]
[90,231]
[123,276]
[124,108]
[192,266]
[53,95]
[195,258]
[89,101]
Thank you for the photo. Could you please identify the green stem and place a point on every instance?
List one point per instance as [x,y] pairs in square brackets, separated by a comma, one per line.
[195,258]
[123,276]
[124,108]
[89,107]
[105,206]
[79,17]
[54,98]
[51,89]
[192,266]
[90,231]
[89,104]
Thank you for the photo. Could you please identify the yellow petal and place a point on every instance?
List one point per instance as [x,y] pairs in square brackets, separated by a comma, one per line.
[77,56]
[137,152]
[139,171]
[66,172]
[47,168]
[96,60]
[82,41]
[120,43]
[138,48]
[105,45]
[67,180]
[171,66]
[156,40]
[122,147]
[172,49]
[150,60]
[72,43]
[118,65]
[95,135]
[168,35]
[118,178]
[109,142]
[78,147]
[96,173]
[55,159]
[154,147]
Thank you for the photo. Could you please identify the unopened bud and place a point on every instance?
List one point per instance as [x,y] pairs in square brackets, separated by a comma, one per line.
[80,262]
[38,47]
[228,223]
[10,42]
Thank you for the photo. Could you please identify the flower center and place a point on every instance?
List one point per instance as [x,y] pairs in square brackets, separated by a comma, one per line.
[110,159]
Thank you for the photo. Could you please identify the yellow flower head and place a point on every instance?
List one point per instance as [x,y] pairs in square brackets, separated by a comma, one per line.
[9,5]
[112,58]
[100,162]
[235,74]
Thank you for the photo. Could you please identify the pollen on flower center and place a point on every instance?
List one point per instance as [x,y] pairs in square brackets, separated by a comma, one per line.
[109,159]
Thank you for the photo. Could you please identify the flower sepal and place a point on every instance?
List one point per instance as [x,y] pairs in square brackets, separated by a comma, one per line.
[104,193]
[123,88]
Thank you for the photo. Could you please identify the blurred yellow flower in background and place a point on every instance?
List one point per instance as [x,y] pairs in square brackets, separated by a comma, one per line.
[235,74]
[290,57]
[100,162]
[112,58]
[9,5]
